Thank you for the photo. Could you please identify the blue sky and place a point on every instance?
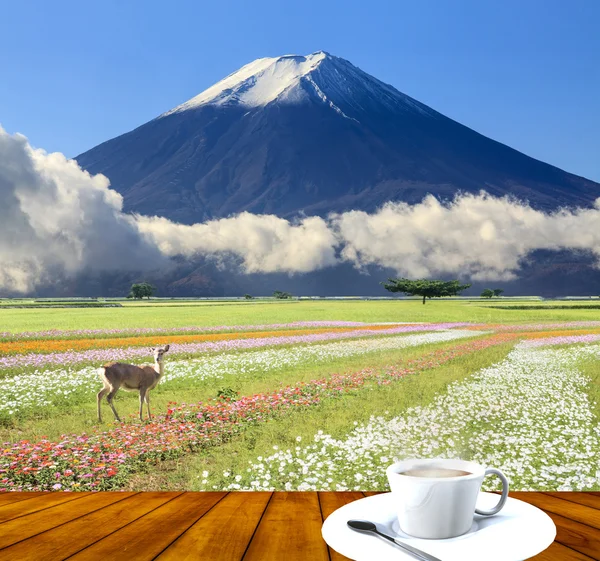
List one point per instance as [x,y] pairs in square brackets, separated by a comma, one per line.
[74,74]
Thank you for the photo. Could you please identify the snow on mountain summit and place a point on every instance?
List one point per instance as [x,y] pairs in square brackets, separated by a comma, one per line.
[295,78]
[256,83]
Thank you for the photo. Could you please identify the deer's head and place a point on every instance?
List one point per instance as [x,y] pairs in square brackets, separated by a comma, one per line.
[159,352]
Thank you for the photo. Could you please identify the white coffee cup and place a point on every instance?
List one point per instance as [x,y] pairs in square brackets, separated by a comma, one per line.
[439,507]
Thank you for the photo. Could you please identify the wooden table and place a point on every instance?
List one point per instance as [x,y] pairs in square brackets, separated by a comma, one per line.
[225,526]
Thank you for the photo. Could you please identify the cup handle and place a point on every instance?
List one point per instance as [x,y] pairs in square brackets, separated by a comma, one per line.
[504,496]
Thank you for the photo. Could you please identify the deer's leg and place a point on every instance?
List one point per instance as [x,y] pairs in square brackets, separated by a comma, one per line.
[148,404]
[143,392]
[109,398]
[99,397]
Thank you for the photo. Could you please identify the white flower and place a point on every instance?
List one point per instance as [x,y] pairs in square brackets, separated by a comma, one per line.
[543,435]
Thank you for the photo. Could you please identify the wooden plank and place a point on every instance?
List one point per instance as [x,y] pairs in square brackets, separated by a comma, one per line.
[117,525]
[588,499]
[24,527]
[290,529]
[577,536]
[14,497]
[86,530]
[576,525]
[573,511]
[150,535]
[330,502]
[559,552]
[23,508]
[223,533]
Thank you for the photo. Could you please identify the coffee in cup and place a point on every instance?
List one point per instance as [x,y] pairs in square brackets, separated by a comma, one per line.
[435,472]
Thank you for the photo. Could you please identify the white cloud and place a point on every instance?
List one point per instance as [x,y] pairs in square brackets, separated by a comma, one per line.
[477,236]
[57,219]
[265,243]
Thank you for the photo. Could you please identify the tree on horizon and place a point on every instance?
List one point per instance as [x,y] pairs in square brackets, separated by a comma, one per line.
[281,295]
[425,288]
[141,290]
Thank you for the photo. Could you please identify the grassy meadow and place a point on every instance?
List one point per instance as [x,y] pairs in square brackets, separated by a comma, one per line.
[301,394]
[156,313]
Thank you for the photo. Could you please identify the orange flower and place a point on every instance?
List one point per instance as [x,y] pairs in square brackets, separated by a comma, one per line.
[558,333]
[61,345]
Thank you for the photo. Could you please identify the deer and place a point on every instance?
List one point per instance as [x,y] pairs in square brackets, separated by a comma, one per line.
[131,377]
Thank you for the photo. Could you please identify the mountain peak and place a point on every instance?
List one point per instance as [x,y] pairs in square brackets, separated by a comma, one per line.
[292,79]
[257,83]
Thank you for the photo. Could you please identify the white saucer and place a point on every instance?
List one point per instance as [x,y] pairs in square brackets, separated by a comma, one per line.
[519,531]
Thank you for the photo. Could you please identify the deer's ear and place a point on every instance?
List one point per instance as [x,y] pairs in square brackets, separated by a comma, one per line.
[167,348]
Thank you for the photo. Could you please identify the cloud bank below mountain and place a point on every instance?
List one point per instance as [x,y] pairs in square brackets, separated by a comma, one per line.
[476,236]
[57,220]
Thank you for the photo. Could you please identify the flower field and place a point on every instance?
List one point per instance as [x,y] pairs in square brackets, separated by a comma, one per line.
[97,333]
[49,346]
[312,405]
[529,415]
[32,391]
[124,351]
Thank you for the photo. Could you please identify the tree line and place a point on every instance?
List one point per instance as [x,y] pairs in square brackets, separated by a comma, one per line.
[421,287]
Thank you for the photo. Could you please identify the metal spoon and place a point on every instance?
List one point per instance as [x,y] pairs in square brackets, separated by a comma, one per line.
[366,526]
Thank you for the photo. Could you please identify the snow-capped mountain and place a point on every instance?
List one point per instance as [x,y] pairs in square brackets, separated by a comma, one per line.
[313,134]
[293,79]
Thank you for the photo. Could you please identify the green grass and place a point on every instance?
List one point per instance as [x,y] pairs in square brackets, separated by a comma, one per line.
[241,313]
[334,417]
[43,305]
[549,307]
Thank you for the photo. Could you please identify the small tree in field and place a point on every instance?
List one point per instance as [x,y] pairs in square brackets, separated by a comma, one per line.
[281,295]
[136,291]
[247,297]
[498,291]
[487,293]
[425,288]
[142,290]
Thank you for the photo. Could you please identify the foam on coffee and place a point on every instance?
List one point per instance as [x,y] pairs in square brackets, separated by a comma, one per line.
[435,472]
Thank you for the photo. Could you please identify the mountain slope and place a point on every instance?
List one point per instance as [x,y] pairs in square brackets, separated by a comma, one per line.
[313,134]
